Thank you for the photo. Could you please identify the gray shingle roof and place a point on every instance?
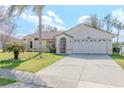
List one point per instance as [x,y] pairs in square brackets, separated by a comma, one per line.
[47,35]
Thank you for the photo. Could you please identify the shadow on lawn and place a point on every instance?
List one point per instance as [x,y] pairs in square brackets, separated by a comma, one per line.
[11,63]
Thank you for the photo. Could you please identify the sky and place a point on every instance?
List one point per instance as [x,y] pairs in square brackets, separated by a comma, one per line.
[64,17]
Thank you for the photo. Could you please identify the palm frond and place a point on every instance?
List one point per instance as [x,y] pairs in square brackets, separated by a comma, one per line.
[15,47]
[16,10]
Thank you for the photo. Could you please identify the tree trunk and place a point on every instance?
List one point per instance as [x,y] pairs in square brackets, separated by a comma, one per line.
[118,37]
[40,33]
[16,54]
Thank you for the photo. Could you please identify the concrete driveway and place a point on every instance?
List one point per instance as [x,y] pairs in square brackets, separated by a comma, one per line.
[82,71]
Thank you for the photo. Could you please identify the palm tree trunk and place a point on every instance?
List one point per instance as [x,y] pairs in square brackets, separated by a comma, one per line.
[40,33]
[118,38]
[16,54]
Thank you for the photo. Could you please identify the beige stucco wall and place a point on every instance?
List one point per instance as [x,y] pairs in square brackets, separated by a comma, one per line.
[82,32]
[35,44]
[68,43]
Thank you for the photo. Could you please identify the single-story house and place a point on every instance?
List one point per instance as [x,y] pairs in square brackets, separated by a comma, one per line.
[79,39]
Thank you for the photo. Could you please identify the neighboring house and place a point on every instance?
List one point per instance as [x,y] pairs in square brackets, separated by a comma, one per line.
[79,39]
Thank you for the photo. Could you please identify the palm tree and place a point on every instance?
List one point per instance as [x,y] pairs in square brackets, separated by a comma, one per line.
[17,10]
[16,48]
[119,26]
[110,22]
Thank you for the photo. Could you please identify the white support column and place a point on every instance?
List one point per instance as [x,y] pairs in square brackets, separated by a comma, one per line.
[57,46]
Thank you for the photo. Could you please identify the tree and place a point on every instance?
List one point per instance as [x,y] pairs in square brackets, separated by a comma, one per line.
[3,16]
[109,22]
[16,48]
[17,10]
[6,33]
[6,27]
[94,21]
[119,26]
[48,28]
[54,29]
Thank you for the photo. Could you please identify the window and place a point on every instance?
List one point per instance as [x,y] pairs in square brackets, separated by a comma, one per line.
[100,40]
[36,39]
[86,40]
[31,44]
[51,44]
[95,40]
[78,40]
[74,40]
[104,40]
[90,40]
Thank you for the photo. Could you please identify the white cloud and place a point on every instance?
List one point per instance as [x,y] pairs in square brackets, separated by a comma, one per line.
[119,13]
[83,19]
[19,36]
[56,18]
[50,19]
[46,20]
[51,13]
[30,17]
[59,27]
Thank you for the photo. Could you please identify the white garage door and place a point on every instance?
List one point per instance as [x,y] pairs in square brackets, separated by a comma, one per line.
[95,46]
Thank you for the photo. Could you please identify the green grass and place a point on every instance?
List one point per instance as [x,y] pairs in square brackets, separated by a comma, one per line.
[118,59]
[29,61]
[4,81]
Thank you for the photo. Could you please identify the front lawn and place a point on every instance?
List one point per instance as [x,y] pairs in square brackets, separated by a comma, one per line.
[4,81]
[29,61]
[118,59]
[0,50]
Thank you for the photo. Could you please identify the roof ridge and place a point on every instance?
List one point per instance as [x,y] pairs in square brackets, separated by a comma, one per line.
[88,26]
